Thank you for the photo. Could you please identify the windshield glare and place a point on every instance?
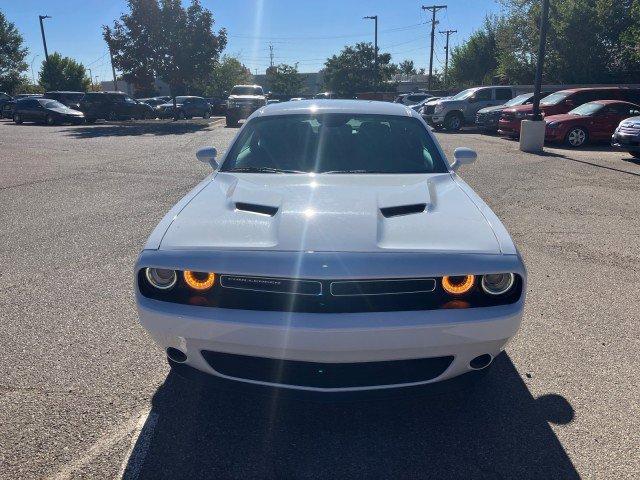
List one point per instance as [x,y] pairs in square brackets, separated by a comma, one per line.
[519,100]
[51,103]
[554,98]
[587,109]
[246,91]
[463,95]
[335,143]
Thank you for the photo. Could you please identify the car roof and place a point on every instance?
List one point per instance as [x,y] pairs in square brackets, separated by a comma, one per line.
[608,102]
[589,89]
[336,106]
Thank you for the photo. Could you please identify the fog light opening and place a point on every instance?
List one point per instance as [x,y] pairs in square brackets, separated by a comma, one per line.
[481,361]
[176,355]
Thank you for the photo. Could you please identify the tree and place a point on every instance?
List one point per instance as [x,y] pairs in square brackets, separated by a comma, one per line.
[352,70]
[225,74]
[476,60]
[285,79]
[12,55]
[162,39]
[63,73]
[406,67]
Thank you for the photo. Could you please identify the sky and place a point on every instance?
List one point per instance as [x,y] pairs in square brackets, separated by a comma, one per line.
[303,32]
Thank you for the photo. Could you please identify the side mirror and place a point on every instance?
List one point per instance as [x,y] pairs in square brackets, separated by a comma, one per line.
[208,155]
[463,156]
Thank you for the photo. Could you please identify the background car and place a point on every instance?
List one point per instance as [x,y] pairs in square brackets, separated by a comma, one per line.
[487,118]
[243,101]
[325,96]
[591,121]
[70,99]
[563,101]
[218,105]
[113,106]
[155,103]
[45,110]
[4,99]
[627,136]
[412,98]
[6,110]
[452,113]
[186,107]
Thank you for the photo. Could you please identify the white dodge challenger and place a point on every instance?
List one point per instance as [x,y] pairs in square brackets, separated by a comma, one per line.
[333,249]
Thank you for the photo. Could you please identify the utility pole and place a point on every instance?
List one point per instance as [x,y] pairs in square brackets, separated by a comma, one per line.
[33,77]
[44,40]
[271,55]
[434,9]
[90,77]
[375,49]
[544,20]
[446,53]
[113,70]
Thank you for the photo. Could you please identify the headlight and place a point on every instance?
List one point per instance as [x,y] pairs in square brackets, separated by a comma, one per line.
[458,285]
[438,108]
[161,278]
[200,281]
[497,283]
[553,125]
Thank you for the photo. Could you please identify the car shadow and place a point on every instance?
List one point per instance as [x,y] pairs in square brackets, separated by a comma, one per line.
[126,129]
[497,430]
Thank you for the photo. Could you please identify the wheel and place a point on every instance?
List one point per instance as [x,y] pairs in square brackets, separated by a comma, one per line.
[635,154]
[576,137]
[50,120]
[453,122]
[231,122]
[206,114]
[17,118]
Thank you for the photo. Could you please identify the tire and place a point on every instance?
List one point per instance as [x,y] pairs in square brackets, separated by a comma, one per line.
[50,120]
[576,137]
[231,122]
[635,154]
[453,122]
[17,118]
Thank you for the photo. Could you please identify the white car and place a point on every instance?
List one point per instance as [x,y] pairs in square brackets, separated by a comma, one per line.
[332,249]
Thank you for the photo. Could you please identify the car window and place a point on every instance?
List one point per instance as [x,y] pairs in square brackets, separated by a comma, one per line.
[503,94]
[129,100]
[483,95]
[347,143]
[50,103]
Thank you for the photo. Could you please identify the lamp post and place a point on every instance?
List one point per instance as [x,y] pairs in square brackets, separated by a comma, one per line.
[44,40]
[375,48]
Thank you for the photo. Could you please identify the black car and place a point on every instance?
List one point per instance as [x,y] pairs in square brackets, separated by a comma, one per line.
[218,105]
[70,99]
[4,100]
[487,118]
[627,136]
[45,110]
[186,107]
[7,107]
[114,106]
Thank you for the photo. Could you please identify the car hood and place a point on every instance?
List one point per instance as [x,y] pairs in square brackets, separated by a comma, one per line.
[331,213]
[65,111]
[170,104]
[246,97]
[497,108]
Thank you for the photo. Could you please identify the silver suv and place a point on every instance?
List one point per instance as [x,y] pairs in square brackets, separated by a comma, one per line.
[452,113]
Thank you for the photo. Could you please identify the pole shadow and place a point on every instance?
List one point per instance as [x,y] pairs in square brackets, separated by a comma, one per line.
[495,431]
[156,128]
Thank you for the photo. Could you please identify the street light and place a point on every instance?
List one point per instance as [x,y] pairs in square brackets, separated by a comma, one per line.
[375,48]
[44,40]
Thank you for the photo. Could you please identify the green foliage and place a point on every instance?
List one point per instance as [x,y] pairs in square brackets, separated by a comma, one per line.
[12,55]
[227,73]
[63,73]
[161,38]
[475,61]
[352,70]
[285,79]
[406,67]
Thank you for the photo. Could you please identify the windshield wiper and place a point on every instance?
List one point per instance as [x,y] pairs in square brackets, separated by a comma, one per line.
[263,170]
[350,171]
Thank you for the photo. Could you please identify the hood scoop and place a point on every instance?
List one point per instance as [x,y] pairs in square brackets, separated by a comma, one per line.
[388,212]
[255,208]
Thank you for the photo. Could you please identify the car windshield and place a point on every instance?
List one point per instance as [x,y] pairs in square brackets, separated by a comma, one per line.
[45,102]
[587,109]
[334,143]
[246,91]
[554,98]
[463,95]
[519,100]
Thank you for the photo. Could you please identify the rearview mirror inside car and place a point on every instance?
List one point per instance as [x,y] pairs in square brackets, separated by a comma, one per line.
[463,156]
[208,155]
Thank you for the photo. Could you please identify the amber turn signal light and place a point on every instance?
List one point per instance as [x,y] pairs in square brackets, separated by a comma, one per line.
[459,284]
[199,281]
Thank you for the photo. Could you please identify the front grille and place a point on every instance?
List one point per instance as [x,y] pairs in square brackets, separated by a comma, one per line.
[326,296]
[327,375]
[629,130]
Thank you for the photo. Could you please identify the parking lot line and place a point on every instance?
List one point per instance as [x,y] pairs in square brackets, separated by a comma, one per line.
[140,442]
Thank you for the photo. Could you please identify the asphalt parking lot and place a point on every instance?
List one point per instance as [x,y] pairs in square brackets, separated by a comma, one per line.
[86,394]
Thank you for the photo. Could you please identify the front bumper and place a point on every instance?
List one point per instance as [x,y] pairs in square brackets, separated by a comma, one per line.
[509,127]
[242,111]
[627,142]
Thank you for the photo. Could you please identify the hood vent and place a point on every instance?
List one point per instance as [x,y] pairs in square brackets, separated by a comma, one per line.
[254,208]
[388,212]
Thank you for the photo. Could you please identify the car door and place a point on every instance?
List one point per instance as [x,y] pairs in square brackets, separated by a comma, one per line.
[29,109]
[612,116]
[481,99]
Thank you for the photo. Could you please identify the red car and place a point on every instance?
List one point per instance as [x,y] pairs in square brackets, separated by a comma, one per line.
[590,121]
[562,102]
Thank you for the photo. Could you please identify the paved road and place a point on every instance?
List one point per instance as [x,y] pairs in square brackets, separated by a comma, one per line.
[79,378]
